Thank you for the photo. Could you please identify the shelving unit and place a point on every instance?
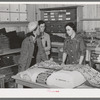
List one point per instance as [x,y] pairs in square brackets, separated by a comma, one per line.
[8,70]
[14,17]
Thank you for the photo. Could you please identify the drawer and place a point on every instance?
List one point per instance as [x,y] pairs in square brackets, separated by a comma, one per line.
[4,17]
[14,8]
[23,17]
[22,7]
[14,16]
[4,7]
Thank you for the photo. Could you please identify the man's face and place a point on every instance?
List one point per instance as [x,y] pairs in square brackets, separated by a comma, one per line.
[42,27]
[36,31]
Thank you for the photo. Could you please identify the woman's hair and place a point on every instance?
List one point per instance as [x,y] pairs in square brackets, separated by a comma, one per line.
[72,25]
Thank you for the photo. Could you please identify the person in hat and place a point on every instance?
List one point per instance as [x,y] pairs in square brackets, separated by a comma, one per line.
[74,47]
[28,49]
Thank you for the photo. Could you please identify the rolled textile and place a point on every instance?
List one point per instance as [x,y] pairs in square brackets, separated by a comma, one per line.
[66,79]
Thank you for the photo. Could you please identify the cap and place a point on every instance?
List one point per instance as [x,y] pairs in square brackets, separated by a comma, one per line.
[32,26]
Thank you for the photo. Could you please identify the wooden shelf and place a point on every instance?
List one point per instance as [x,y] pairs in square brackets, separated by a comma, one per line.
[8,66]
[10,51]
[14,23]
[91,19]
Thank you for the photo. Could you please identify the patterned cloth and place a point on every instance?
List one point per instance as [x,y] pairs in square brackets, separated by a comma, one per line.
[90,74]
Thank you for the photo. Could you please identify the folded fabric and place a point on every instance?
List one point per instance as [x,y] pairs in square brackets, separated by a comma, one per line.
[48,64]
[31,74]
[65,79]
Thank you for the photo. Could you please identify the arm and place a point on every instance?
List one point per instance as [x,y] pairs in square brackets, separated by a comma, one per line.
[64,58]
[23,55]
[82,50]
[64,52]
[81,59]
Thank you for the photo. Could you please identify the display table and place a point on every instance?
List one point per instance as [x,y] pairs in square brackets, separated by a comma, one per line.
[20,83]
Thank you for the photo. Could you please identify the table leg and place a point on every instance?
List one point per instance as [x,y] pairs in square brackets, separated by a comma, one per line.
[19,86]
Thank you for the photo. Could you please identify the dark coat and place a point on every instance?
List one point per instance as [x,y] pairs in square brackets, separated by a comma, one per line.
[26,55]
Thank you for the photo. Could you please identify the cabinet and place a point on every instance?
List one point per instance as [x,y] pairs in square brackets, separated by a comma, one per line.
[56,18]
[14,17]
[13,12]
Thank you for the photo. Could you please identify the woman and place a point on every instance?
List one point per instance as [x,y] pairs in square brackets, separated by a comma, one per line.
[27,57]
[74,47]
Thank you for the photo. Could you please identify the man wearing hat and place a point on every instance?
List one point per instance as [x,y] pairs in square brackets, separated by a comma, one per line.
[27,56]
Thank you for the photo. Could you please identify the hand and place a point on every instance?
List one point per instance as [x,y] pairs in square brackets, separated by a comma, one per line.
[62,64]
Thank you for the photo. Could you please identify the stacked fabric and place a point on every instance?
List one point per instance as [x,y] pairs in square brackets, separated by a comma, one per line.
[11,40]
[49,65]
[52,74]
[4,41]
[15,40]
[6,60]
[95,56]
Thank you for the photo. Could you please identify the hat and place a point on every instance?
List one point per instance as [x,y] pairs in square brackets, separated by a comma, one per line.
[32,26]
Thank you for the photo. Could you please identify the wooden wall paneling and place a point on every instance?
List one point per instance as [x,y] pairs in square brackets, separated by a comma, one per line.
[79,18]
[85,11]
[98,11]
[31,12]
[91,16]
[89,11]
[90,26]
[37,12]
[98,24]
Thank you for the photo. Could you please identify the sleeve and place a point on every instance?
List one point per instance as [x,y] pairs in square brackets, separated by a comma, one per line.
[82,46]
[23,54]
[65,46]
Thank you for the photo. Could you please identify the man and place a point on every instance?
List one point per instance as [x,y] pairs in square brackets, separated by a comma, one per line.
[27,56]
[45,38]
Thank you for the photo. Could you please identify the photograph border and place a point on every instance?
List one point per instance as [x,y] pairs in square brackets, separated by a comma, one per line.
[50,93]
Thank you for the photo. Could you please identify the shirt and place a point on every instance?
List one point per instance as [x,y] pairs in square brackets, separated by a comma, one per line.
[74,48]
[46,43]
